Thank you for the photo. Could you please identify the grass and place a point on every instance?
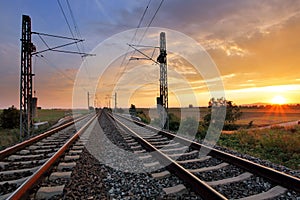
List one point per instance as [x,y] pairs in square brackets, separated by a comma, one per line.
[11,136]
[8,137]
[278,145]
[268,116]
[51,115]
[259,116]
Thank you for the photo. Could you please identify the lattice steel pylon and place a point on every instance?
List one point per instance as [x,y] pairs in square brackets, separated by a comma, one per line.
[162,101]
[26,77]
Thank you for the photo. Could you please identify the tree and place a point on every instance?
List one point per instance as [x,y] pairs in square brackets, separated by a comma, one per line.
[233,112]
[132,110]
[10,118]
[174,122]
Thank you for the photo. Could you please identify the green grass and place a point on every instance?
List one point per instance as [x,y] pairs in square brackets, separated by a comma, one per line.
[278,145]
[51,115]
[9,137]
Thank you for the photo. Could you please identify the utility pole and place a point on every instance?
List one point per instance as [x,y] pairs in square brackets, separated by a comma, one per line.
[27,102]
[115,102]
[88,100]
[162,100]
[26,78]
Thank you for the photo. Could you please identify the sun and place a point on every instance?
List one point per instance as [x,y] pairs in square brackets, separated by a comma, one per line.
[278,100]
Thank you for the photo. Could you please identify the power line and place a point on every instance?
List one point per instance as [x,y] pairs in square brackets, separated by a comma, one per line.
[76,27]
[65,17]
[50,64]
[74,23]
[149,24]
[152,19]
[76,31]
[136,30]
[132,39]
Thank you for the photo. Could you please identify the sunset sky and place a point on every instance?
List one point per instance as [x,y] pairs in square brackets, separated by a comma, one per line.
[254,44]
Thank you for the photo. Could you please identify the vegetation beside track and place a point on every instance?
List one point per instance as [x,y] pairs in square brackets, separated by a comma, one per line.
[278,144]
[9,137]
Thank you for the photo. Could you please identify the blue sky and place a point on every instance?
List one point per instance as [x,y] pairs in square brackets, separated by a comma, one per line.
[254,43]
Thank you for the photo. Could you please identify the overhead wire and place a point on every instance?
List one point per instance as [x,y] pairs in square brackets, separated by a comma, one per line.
[132,39]
[65,17]
[147,27]
[50,64]
[152,19]
[78,34]
[135,33]
[149,24]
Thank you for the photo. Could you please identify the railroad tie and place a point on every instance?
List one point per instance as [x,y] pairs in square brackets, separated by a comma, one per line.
[75,152]
[270,194]
[77,147]
[18,182]
[175,189]
[33,169]
[183,154]
[24,151]
[71,158]
[20,157]
[205,169]
[152,164]
[194,160]
[3,164]
[145,157]
[168,145]
[61,175]
[132,143]
[239,178]
[66,165]
[161,175]
[136,147]
[141,151]
[49,192]
[128,140]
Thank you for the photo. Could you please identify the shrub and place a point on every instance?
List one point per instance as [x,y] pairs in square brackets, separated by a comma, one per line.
[10,118]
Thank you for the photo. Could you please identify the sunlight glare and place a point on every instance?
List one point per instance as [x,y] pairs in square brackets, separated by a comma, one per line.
[278,100]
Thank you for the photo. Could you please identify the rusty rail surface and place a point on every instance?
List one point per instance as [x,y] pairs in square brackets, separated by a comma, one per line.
[24,189]
[10,150]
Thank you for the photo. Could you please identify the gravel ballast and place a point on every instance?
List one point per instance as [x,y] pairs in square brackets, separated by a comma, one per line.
[108,169]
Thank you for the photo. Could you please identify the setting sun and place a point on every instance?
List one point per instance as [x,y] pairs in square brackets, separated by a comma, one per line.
[278,100]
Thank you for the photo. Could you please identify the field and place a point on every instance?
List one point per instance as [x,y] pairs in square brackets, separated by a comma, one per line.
[258,116]
[11,136]
[268,116]
[51,115]
[278,144]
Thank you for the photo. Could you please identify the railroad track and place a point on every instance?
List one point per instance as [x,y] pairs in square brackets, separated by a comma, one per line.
[217,175]
[23,166]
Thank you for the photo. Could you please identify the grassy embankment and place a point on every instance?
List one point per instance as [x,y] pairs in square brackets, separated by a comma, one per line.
[11,136]
[278,145]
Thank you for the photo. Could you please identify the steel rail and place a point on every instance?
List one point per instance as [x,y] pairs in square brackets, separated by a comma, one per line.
[10,150]
[24,189]
[271,174]
[199,186]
